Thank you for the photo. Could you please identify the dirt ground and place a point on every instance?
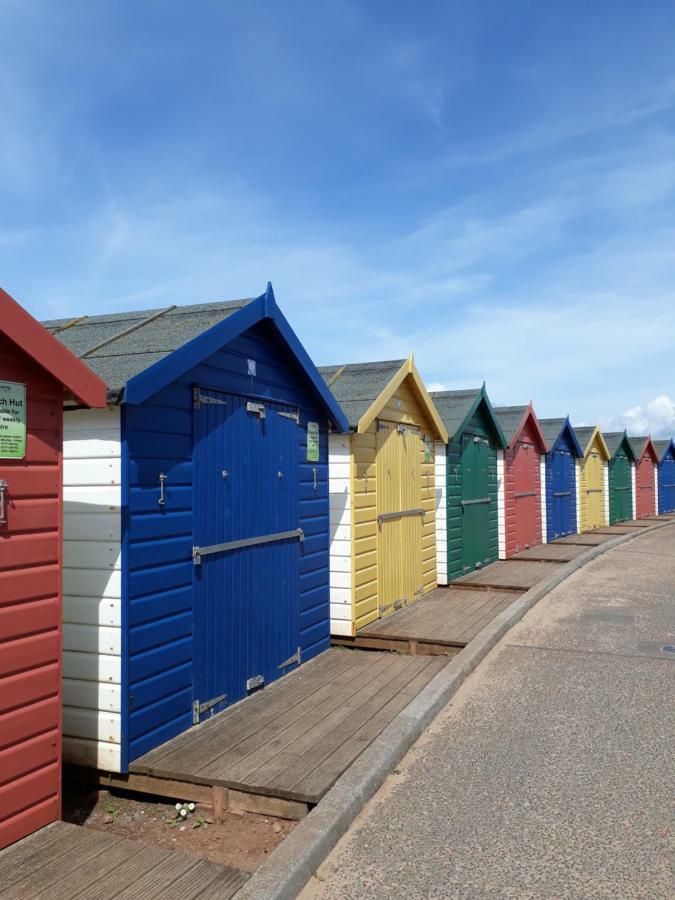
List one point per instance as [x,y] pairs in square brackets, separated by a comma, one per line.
[243,841]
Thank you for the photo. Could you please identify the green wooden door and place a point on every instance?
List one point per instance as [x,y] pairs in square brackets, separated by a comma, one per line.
[621,499]
[475,502]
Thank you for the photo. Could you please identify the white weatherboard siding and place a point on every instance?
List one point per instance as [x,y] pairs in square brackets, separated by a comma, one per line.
[92,588]
[633,489]
[441,501]
[501,510]
[339,492]
[542,480]
[656,490]
[605,466]
[577,480]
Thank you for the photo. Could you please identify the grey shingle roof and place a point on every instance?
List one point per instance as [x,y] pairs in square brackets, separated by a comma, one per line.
[613,439]
[638,444]
[453,407]
[509,418]
[551,429]
[123,357]
[584,434]
[356,385]
[661,447]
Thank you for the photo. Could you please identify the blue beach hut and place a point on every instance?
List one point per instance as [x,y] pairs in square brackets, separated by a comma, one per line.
[666,475]
[196,521]
[562,509]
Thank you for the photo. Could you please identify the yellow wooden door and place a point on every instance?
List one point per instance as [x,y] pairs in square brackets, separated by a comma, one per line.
[399,502]
[389,544]
[411,524]
[595,491]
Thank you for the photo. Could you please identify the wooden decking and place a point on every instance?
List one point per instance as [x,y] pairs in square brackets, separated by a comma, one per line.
[552,552]
[509,574]
[64,862]
[279,751]
[585,539]
[442,623]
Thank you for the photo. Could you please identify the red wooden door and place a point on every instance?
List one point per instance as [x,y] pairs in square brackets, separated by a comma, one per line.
[525,498]
[30,609]
[645,498]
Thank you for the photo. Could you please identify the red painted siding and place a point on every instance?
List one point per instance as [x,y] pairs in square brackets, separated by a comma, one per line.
[645,496]
[30,610]
[522,492]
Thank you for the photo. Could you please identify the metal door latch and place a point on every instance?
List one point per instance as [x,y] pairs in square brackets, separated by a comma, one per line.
[254,683]
[162,498]
[257,408]
[3,502]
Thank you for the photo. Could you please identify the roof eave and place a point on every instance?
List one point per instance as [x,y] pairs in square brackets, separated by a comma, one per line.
[77,378]
[407,369]
[151,380]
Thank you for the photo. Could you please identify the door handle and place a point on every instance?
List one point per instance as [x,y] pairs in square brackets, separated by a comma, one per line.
[3,502]
[162,479]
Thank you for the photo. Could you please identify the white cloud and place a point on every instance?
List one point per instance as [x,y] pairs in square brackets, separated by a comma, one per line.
[656,417]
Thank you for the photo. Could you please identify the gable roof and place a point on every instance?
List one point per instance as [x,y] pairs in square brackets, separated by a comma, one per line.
[140,353]
[553,430]
[78,381]
[617,439]
[586,435]
[643,446]
[456,408]
[363,389]
[119,346]
[663,446]
[514,418]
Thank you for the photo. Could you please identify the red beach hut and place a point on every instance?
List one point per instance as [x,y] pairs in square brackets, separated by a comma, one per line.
[522,504]
[37,374]
[646,477]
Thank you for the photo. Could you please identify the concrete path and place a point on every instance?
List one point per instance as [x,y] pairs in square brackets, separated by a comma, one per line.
[551,773]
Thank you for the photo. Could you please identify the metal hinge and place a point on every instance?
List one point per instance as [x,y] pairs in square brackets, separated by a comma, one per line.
[296,658]
[291,415]
[199,708]
[200,400]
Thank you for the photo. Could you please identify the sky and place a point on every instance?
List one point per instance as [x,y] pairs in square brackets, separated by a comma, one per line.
[488,185]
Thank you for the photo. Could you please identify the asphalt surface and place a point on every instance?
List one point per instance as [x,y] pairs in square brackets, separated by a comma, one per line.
[551,773]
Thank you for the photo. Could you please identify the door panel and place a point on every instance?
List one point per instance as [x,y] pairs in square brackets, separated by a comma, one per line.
[644,488]
[595,490]
[399,570]
[526,495]
[621,499]
[562,498]
[475,461]
[246,598]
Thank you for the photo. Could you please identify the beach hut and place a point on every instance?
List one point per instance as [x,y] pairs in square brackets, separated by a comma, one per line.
[561,511]
[645,500]
[36,375]
[621,476]
[593,478]
[666,475]
[383,527]
[196,521]
[523,498]
[467,527]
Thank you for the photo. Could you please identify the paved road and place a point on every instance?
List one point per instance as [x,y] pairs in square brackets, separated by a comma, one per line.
[551,773]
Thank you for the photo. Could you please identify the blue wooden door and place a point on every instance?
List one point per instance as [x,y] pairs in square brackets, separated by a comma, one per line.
[246,592]
[667,484]
[562,506]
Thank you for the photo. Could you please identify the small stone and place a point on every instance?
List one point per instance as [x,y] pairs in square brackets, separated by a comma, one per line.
[108,819]
[276,828]
[182,828]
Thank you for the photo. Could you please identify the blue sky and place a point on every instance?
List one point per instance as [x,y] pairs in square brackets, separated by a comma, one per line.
[490,185]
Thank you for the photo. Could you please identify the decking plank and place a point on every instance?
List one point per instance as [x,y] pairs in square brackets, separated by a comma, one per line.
[322,778]
[284,733]
[510,574]
[317,770]
[585,539]
[250,713]
[553,552]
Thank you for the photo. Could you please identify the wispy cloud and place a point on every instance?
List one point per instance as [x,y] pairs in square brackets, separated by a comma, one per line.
[655,417]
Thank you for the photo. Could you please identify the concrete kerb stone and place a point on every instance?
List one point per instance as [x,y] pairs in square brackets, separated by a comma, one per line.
[283,875]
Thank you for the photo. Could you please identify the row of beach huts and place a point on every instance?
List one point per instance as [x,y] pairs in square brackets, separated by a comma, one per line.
[190,509]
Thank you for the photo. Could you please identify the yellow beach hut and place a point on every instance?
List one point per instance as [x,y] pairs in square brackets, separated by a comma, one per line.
[592,479]
[382,492]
